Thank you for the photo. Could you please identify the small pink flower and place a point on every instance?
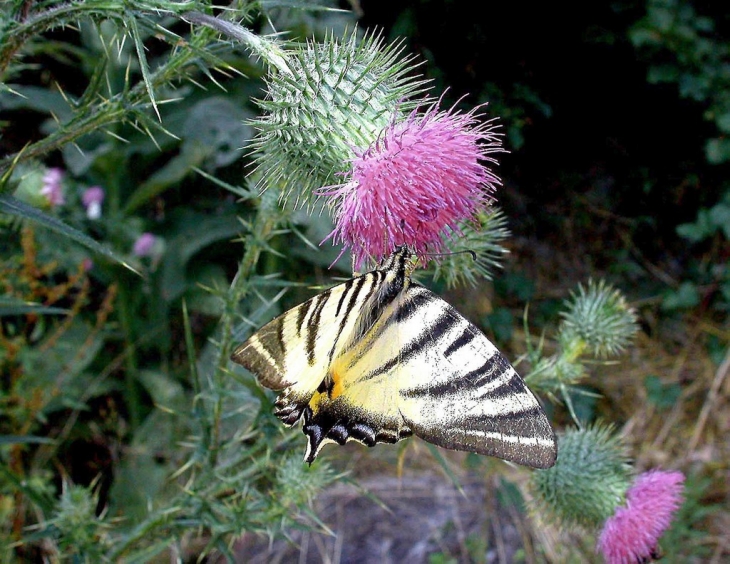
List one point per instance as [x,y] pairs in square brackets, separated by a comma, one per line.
[144,246]
[632,533]
[416,184]
[52,188]
[92,199]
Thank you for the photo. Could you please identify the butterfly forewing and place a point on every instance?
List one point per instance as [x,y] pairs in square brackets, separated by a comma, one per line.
[295,350]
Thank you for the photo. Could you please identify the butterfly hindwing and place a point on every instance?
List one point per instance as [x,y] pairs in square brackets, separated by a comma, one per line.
[361,402]
[456,390]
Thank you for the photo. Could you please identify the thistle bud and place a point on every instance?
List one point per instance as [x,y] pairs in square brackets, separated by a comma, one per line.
[322,101]
[599,317]
[589,479]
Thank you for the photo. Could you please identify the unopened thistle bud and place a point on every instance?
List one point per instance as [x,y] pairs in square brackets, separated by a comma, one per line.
[600,317]
[323,100]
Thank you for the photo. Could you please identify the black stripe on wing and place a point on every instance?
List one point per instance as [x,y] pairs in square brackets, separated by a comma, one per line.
[466,337]
[313,325]
[425,339]
[492,368]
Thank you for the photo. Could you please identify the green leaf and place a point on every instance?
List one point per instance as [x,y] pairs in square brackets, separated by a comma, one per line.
[13,206]
[24,439]
[662,395]
[501,321]
[684,297]
[720,217]
[191,156]
[723,122]
[10,305]
[699,230]
[717,150]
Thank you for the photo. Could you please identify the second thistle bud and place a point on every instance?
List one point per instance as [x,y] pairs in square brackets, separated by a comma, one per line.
[588,481]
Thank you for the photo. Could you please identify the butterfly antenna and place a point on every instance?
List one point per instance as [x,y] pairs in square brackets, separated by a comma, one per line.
[452,253]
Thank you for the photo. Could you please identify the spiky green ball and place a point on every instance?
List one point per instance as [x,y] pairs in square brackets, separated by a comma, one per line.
[75,518]
[330,98]
[589,479]
[601,318]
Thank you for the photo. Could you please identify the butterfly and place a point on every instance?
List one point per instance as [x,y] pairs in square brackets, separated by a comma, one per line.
[380,358]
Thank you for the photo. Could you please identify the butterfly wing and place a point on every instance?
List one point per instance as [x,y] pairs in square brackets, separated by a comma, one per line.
[456,390]
[294,351]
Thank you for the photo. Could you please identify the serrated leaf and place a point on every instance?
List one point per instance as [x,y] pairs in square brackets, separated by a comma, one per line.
[13,206]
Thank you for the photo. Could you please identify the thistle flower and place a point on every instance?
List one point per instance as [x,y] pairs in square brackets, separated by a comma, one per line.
[588,481]
[632,533]
[145,245]
[92,199]
[52,188]
[415,184]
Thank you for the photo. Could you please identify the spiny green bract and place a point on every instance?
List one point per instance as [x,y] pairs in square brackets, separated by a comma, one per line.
[483,237]
[76,520]
[331,98]
[600,316]
[589,479]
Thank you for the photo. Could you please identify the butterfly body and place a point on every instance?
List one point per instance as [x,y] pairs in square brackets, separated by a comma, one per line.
[380,358]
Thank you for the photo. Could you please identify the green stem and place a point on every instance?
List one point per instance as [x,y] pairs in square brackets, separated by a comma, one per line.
[131,384]
[90,118]
[268,50]
[264,225]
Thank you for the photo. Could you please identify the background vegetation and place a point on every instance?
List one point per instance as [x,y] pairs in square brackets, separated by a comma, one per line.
[125,435]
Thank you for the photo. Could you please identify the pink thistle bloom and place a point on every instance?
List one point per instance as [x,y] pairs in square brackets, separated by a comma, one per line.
[52,188]
[415,184]
[144,246]
[632,533]
[92,199]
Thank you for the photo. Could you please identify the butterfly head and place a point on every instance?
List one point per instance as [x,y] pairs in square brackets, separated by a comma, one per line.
[400,263]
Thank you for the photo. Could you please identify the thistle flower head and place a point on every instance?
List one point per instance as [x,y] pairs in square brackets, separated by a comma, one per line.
[145,244]
[92,198]
[588,481]
[52,187]
[415,184]
[599,316]
[323,100]
[631,534]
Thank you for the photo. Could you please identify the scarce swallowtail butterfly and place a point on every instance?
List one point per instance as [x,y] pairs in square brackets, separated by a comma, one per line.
[380,357]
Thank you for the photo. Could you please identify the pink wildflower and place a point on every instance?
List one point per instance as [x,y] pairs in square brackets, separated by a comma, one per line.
[415,184]
[52,188]
[632,533]
[92,199]
[144,246]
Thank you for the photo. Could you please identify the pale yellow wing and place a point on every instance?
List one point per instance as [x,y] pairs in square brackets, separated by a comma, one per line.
[294,351]
[456,390]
